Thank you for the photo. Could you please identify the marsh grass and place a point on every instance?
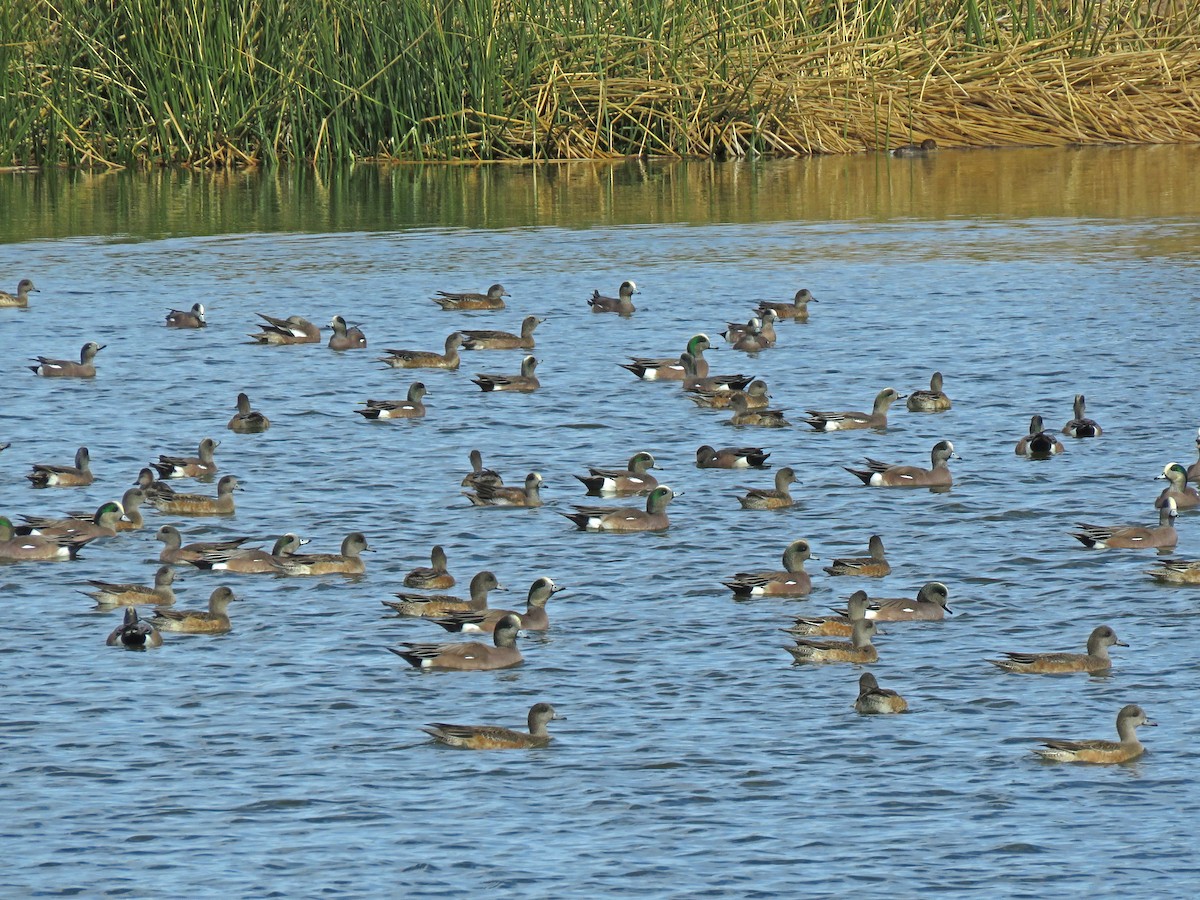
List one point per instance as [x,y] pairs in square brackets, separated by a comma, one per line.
[222,83]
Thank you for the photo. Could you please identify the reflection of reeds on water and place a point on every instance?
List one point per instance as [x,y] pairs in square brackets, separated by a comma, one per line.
[232,84]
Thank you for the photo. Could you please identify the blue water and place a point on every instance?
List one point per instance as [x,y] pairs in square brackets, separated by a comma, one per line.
[286,758]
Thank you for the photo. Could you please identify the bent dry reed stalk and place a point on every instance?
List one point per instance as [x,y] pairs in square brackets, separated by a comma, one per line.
[224,83]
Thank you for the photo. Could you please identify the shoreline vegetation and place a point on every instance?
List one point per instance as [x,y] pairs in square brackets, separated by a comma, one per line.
[229,84]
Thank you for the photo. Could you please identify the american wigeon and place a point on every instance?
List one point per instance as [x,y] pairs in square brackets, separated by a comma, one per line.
[671,368]
[1039,443]
[1081,426]
[796,310]
[849,421]
[1184,496]
[758,417]
[1132,537]
[201,504]
[484,621]
[498,495]
[492,299]
[1095,660]
[478,474]
[832,626]
[14,547]
[174,550]
[622,305]
[411,408]
[348,562]
[754,339]
[247,420]
[881,474]
[756,394]
[874,700]
[108,594]
[502,340]
[20,300]
[523,383]
[873,566]
[632,480]
[150,486]
[1193,472]
[693,381]
[932,400]
[731,458]
[1177,571]
[433,577]
[203,463]
[930,605]
[793,581]
[764,322]
[214,620]
[134,634]
[858,649]
[778,497]
[292,330]
[469,655]
[102,524]
[46,475]
[251,560]
[432,606]
[426,359]
[1098,751]
[187,318]
[495,737]
[67,368]
[345,336]
[626,518]
[925,148]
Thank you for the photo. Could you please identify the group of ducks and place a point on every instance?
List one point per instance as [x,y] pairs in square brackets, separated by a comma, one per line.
[746,396]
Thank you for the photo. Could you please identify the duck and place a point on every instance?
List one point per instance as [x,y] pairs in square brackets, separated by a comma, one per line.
[108,594]
[426,359]
[1132,537]
[134,634]
[214,620]
[174,550]
[767,498]
[848,421]
[670,369]
[1081,426]
[468,655]
[454,300]
[433,606]
[793,581]
[413,407]
[858,649]
[524,383]
[1095,660]
[433,577]
[755,394]
[764,322]
[15,548]
[201,504]
[731,458]
[841,625]
[19,300]
[498,495]
[754,339]
[190,318]
[46,475]
[873,566]
[1123,750]
[622,305]
[247,420]
[495,737]
[66,368]
[102,524]
[626,518]
[881,474]
[693,381]
[251,560]
[292,330]
[635,479]
[932,400]
[1193,472]
[478,474]
[348,562]
[1039,443]
[743,415]
[1184,496]
[796,309]
[874,700]
[203,463]
[925,148]
[148,483]
[484,621]
[1177,571]
[502,340]
[930,605]
[345,336]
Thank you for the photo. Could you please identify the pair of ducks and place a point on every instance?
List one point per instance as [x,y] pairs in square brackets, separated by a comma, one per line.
[793,581]
[1042,444]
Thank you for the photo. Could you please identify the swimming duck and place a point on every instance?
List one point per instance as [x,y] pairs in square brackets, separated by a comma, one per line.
[498,495]
[874,700]
[754,339]
[670,369]
[214,620]
[478,474]
[134,634]
[1039,443]
[847,421]
[174,551]
[693,381]
[765,320]
[433,577]
[192,318]
[46,475]
[523,383]
[67,368]
[793,581]
[755,394]
[622,305]
[452,300]
[19,300]
[426,359]
[731,458]
[1095,660]
[1132,537]
[411,408]
[796,310]
[468,655]
[247,420]
[1081,426]
[484,621]
[1184,496]
[348,562]
[345,336]
[766,498]
[932,400]
[930,605]
[858,649]
[841,625]
[925,148]
[632,480]
[502,340]
[292,330]
[14,547]
[196,466]
[1177,571]
[1096,751]
[873,566]
[103,524]
[881,474]
[251,561]
[743,415]
[201,504]
[108,594]
[626,518]
[432,606]
[494,737]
